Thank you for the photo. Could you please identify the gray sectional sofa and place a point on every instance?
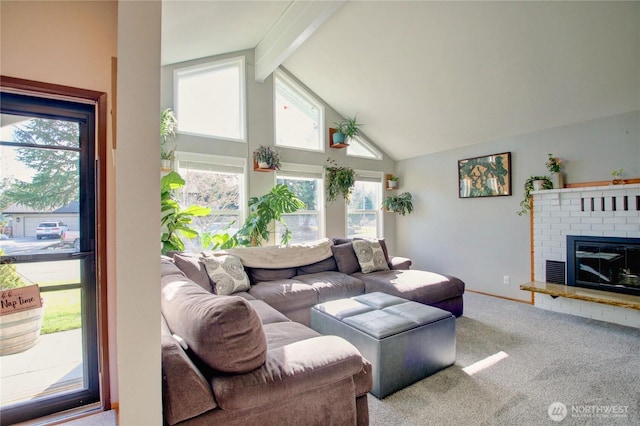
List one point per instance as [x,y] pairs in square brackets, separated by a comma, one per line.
[245,354]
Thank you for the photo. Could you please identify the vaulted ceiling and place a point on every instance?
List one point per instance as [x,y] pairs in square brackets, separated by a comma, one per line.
[431,76]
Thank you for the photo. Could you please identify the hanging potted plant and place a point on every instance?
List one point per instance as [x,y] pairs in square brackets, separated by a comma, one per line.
[534,183]
[340,180]
[267,157]
[168,126]
[399,203]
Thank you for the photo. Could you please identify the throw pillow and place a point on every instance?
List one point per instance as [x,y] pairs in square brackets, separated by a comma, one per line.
[346,258]
[370,256]
[226,273]
[194,269]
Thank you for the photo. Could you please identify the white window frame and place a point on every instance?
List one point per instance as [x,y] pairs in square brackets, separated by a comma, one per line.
[369,176]
[238,62]
[364,142]
[305,94]
[310,171]
[220,164]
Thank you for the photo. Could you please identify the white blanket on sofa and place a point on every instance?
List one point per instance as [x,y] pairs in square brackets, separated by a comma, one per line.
[274,257]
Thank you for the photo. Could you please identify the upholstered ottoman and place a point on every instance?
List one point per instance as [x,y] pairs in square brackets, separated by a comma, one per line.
[405,341]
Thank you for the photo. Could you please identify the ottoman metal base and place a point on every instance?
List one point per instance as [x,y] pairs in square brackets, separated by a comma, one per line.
[405,341]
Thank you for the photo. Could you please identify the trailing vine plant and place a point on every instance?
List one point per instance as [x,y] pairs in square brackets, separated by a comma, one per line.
[525,204]
[340,180]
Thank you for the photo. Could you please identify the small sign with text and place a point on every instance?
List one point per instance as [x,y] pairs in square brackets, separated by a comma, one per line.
[20,299]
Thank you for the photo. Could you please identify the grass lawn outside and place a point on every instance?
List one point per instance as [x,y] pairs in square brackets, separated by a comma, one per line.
[61,311]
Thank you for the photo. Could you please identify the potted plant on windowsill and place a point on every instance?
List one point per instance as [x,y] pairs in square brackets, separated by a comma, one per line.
[267,157]
[533,183]
[168,126]
[399,203]
[340,180]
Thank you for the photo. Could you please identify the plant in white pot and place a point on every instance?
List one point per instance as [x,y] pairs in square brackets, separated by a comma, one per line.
[554,165]
[392,181]
[267,157]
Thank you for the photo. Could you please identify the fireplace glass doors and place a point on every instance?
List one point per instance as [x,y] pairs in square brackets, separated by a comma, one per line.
[604,263]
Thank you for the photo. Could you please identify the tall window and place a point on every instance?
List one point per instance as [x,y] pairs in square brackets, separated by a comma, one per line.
[210,99]
[299,118]
[214,182]
[306,182]
[364,217]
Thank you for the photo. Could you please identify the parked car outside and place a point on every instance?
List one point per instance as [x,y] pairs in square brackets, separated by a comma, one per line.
[71,238]
[51,230]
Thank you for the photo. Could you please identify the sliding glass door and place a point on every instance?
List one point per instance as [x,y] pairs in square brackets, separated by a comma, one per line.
[48,347]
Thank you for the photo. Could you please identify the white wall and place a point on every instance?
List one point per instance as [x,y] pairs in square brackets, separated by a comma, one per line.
[138,213]
[260,131]
[482,239]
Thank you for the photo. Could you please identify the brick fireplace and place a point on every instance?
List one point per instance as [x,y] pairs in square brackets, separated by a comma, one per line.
[600,211]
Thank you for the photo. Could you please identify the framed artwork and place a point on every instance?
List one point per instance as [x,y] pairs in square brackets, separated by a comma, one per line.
[488,176]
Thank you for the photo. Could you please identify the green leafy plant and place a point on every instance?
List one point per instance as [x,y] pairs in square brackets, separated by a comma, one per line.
[393,178]
[554,164]
[617,176]
[399,203]
[175,221]
[168,126]
[340,180]
[525,204]
[268,154]
[264,214]
[350,127]
[9,277]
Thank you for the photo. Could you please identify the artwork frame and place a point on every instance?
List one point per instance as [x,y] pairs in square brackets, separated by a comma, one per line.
[485,176]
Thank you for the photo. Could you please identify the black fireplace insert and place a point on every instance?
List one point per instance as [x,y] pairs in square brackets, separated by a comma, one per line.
[604,263]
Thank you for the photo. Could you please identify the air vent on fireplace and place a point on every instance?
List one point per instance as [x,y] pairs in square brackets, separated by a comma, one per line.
[554,272]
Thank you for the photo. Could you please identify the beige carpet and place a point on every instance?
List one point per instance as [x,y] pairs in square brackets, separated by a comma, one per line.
[535,358]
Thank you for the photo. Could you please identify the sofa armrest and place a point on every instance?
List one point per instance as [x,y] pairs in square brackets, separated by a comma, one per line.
[289,371]
[185,391]
[398,262]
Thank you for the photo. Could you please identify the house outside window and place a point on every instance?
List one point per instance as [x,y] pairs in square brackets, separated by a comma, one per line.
[215,182]
[210,99]
[306,182]
[364,214]
[299,117]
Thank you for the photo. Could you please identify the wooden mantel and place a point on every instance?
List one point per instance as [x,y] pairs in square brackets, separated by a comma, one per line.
[571,292]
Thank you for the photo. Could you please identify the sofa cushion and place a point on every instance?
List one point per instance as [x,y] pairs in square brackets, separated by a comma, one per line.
[285,295]
[226,273]
[290,370]
[346,258]
[257,275]
[190,264]
[370,256]
[224,332]
[322,266]
[412,284]
[333,285]
[267,314]
[383,244]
